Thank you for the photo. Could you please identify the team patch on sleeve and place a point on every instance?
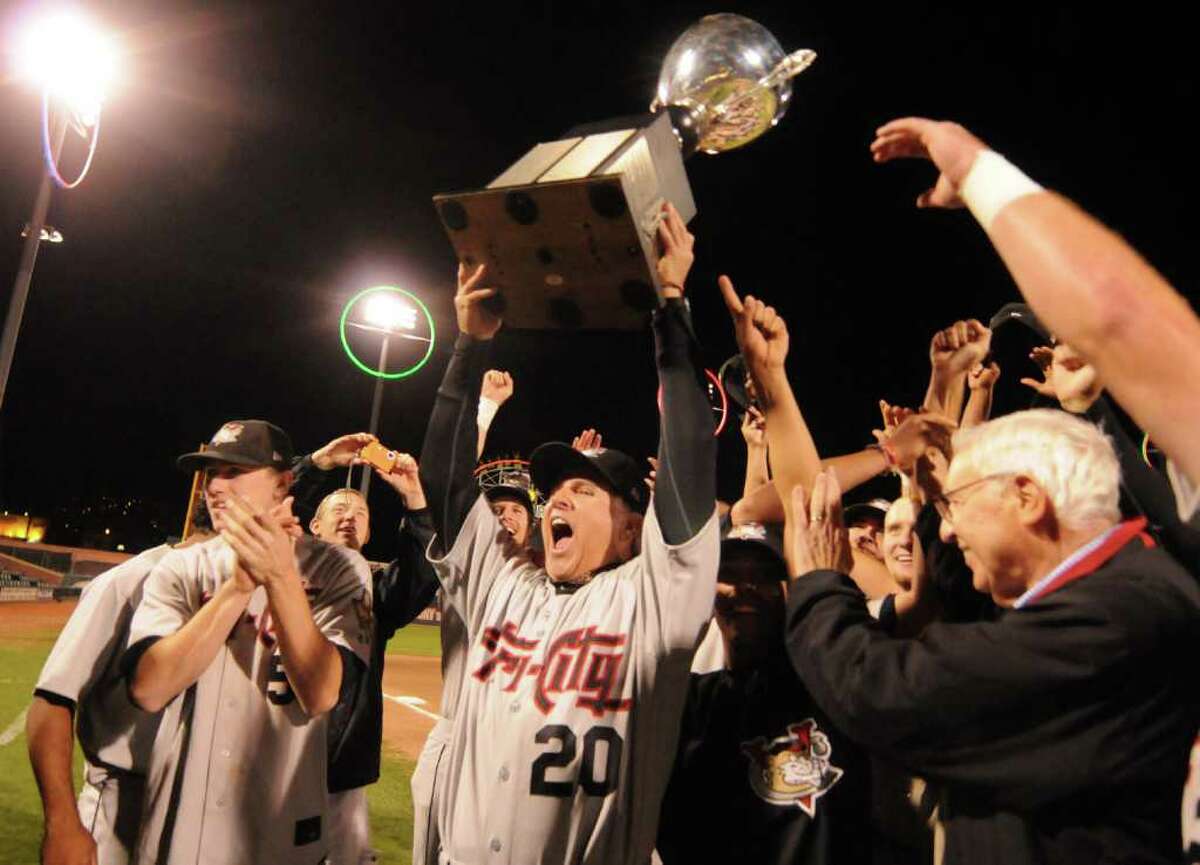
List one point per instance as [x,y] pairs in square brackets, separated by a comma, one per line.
[792,769]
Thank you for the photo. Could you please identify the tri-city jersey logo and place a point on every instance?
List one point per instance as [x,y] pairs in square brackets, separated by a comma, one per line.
[582,661]
[793,769]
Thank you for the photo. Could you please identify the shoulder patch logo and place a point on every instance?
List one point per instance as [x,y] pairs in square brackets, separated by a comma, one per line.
[793,769]
[227,434]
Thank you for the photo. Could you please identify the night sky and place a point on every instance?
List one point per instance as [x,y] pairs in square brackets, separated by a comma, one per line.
[262,162]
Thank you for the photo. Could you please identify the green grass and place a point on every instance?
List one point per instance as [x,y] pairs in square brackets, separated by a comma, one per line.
[416,639]
[21,660]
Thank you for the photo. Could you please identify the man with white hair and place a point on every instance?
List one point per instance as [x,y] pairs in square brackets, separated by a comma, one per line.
[1060,731]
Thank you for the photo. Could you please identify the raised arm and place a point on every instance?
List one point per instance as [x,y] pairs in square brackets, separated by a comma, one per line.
[452,437]
[686,484]
[953,351]
[496,390]
[762,338]
[408,584]
[1088,286]
[310,474]
[981,382]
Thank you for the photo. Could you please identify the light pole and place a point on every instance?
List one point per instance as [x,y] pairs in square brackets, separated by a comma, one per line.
[386,314]
[71,62]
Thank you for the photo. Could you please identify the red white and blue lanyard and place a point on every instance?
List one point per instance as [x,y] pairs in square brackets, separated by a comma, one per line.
[1087,559]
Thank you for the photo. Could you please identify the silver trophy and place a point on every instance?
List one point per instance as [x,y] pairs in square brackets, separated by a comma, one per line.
[568,231]
[725,82]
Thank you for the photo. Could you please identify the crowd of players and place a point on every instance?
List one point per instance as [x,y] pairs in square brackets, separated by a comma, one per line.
[990,667]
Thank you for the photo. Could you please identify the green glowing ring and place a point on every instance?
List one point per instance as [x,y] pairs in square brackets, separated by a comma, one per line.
[370,370]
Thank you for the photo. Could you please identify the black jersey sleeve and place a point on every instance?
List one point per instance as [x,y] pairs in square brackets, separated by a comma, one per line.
[685,491]
[448,454]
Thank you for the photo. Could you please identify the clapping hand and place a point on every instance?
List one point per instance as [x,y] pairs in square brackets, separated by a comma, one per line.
[818,536]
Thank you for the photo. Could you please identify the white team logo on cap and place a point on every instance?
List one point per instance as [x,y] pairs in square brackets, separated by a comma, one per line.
[747,532]
[793,769]
[228,434]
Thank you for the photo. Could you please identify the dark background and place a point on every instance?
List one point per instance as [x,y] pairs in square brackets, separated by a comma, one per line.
[264,161]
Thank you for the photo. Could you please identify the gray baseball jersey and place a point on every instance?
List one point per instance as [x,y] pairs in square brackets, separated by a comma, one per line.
[238,772]
[84,667]
[429,775]
[565,729]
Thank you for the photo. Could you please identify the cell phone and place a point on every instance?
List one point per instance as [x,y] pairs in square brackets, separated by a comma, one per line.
[379,456]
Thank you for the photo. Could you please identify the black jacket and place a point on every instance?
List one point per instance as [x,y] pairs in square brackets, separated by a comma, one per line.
[1060,732]
[729,799]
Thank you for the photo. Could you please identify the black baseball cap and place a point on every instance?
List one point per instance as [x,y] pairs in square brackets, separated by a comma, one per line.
[1021,312]
[243,443]
[757,539]
[510,492]
[875,509]
[554,462]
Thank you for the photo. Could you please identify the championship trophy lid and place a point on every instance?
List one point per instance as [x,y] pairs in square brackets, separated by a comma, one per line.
[569,231]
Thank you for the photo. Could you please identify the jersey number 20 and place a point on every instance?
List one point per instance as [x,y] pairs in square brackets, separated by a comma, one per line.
[565,755]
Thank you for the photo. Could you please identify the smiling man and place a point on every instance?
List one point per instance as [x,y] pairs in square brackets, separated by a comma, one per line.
[576,673]
[1059,733]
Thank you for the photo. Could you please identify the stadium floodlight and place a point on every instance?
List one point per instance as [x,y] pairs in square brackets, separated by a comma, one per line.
[387,311]
[66,55]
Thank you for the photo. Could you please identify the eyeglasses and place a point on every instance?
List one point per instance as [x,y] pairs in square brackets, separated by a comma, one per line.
[945,502]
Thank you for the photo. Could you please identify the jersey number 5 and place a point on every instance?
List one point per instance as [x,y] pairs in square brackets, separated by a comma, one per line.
[565,755]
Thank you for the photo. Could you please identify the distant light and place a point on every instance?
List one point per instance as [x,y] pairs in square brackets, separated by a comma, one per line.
[66,54]
[50,234]
[120,548]
[389,312]
[106,531]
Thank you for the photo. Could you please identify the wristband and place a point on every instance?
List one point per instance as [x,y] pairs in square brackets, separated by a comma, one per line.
[487,412]
[889,456]
[992,184]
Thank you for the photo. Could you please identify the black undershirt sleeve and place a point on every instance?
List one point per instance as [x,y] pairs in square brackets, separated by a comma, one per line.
[448,454]
[407,585]
[686,488]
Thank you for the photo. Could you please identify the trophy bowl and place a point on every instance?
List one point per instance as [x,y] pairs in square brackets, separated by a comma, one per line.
[726,81]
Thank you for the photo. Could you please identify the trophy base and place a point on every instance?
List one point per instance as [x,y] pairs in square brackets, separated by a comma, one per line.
[569,232]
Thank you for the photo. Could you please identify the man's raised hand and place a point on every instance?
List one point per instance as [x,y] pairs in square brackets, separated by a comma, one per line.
[405,479]
[676,243]
[950,147]
[761,334]
[983,376]
[342,451]
[754,428]
[587,440]
[497,386]
[959,347]
[473,318]
[1043,356]
[817,536]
